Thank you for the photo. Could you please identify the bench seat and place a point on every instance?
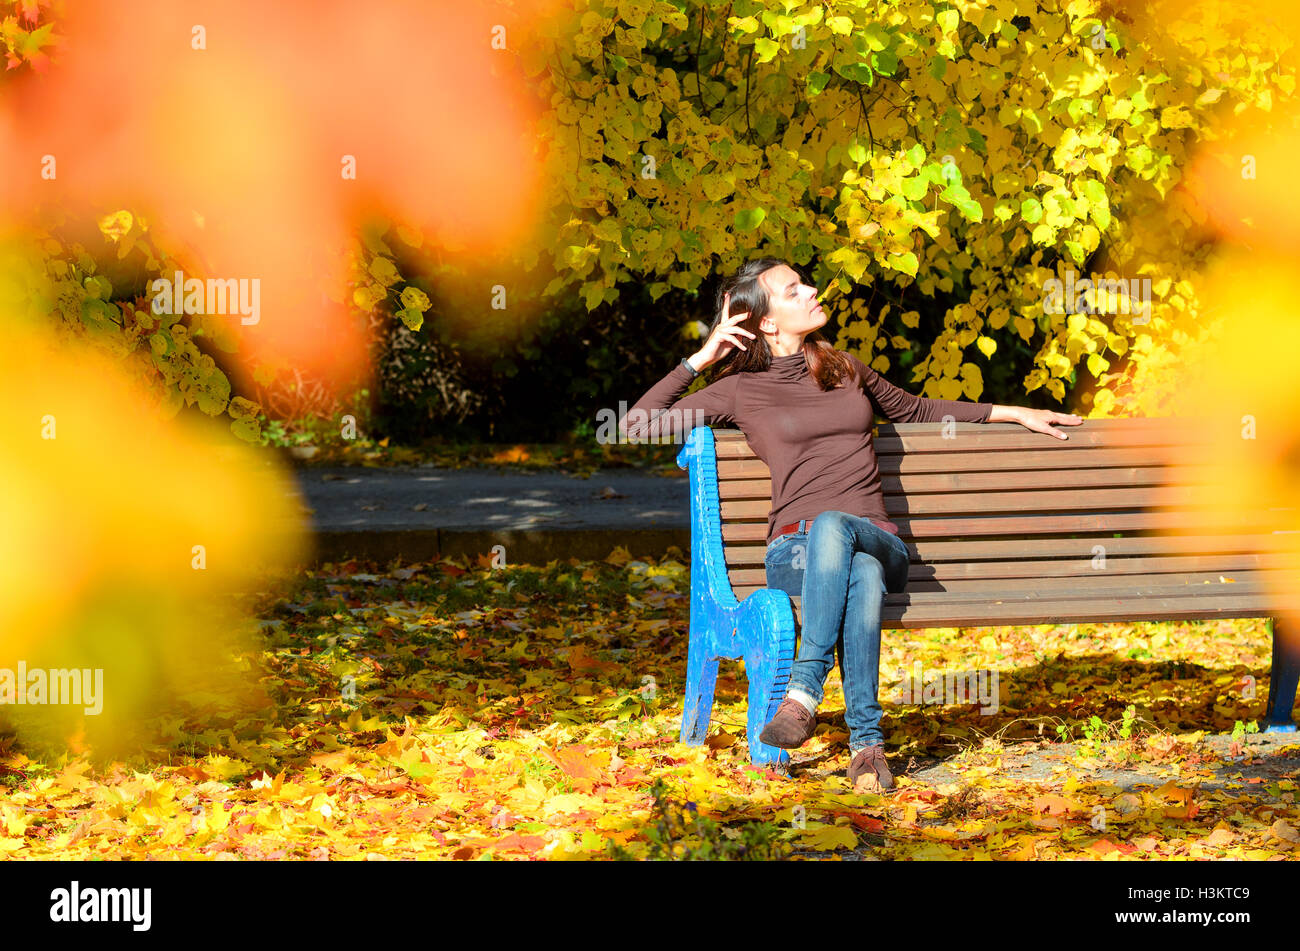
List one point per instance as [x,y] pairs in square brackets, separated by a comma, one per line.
[1005,527]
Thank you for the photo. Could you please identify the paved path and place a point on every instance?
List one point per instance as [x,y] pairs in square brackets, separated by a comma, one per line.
[416,513]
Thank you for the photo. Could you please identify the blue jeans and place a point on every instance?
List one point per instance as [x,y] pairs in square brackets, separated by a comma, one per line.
[841,566]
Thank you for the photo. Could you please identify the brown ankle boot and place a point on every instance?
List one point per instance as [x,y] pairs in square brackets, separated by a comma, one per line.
[868,771]
[791,727]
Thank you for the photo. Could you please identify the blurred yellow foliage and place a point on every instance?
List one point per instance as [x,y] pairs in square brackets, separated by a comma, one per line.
[125,536]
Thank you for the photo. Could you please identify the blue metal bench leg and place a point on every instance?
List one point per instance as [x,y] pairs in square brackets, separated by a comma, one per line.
[701,680]
[769,640]
[1285,676]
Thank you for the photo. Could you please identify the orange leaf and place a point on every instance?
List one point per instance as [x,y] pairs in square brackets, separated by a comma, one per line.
[868,823]
[334,761]
[1185,811]
[630,775]
[580,764]
[1052,805]
[521,843]
[1105,847]
[1176,793]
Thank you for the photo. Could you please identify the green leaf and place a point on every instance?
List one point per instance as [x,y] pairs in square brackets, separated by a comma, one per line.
[748,219]
[239,406]
[1031,210]
[938,67]
[766,49]
[99,287]
[247,428]
[955,194]
[885,62]
[415,299]
[817,82]
[384,271]
[214,392]
[858,72]
[877,37]
[916,155]
[98,316]
[411,317]
[977,141]
[33,41]
[906,262]
[915,188]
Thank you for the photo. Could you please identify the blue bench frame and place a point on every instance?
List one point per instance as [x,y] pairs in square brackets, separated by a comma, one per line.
[761,629]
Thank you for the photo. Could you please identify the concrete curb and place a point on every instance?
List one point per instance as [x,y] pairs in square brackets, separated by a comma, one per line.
[521,546]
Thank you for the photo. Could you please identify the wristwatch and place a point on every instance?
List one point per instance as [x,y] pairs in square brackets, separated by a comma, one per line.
[686,362]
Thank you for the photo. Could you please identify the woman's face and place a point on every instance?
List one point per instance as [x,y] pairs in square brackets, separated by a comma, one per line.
[792,307]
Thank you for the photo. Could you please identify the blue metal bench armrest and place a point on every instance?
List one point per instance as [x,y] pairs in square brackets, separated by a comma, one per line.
[761,629]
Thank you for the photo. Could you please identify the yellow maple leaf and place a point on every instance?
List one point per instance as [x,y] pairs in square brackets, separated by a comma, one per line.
[824,837]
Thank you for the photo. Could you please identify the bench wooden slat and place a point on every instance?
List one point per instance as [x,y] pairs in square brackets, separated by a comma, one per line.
[1194,583]
[990,591]
[1157,441]
[920,438]
[1149,428]
[1085,611]
[895,615]
[1028,525]
[921,573]
[1183,499]
[939,553]
[1052,457]
[730,489]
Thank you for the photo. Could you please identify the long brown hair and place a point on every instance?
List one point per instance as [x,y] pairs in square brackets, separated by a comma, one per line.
[828,366]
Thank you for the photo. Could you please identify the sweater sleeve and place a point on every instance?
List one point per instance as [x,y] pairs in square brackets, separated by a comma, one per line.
[899,406]
[660,413]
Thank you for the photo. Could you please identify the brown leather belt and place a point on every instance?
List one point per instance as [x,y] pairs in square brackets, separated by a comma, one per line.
[792,527]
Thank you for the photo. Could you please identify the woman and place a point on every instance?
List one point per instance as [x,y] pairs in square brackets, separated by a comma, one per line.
[807,411]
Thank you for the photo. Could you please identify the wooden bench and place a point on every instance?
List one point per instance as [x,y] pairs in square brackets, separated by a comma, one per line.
[1005,527]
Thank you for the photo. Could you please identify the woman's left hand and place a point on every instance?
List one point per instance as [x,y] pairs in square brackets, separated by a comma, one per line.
[1041,420]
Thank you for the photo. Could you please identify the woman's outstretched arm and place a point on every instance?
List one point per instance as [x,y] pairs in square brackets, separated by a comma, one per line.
[899,406]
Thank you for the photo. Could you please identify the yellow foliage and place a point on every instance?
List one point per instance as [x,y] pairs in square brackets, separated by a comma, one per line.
[124,537]
[960,154]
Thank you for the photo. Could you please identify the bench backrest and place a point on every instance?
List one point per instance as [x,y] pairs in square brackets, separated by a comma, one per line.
[1000,519]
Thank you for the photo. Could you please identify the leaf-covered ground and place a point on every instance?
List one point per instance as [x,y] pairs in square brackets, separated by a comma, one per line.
[458,711]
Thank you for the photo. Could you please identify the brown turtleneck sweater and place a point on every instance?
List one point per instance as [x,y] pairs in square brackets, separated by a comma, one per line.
[816,443]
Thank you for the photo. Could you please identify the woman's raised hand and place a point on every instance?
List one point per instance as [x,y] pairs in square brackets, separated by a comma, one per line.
[725,337]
